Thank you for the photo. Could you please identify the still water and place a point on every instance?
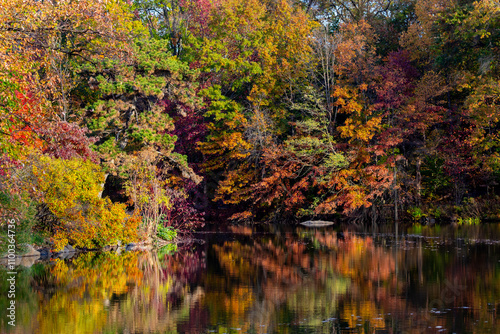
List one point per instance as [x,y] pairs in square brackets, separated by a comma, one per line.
[297,281]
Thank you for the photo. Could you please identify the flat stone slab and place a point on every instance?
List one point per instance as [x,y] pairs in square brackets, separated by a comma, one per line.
[317,223]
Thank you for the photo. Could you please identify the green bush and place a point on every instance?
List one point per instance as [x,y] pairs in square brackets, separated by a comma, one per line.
[13,207]
[167,233]
[416,213]
[468,221]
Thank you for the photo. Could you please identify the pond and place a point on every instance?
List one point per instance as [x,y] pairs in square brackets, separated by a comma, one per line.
[301,280]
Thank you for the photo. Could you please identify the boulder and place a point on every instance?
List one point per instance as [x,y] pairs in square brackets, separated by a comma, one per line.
[61,255]
[31,251]
[69,249]
[316,223]
[65,255]
[130,247]
[28,261]
[45,253]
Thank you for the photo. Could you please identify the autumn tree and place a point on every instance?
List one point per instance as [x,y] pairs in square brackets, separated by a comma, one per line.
[87,67]
[252,56]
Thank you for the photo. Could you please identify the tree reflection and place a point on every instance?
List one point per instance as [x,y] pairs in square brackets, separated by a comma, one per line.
[303,281]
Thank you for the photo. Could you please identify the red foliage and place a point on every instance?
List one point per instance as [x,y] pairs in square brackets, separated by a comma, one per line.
[183,215]
[190,128]
[67,140]
[396,81]
[199,14]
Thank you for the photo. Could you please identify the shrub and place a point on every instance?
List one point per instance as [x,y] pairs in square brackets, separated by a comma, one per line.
[71,190]
[167,233]
[416,213]
[23,212]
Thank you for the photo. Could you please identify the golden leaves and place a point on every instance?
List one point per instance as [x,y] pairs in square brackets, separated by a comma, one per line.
[71,190]
[358,130]
[40,40]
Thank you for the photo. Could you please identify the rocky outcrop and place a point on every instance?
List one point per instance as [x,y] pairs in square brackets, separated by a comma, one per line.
[317,223]
[69,249]
[130,247]
[30,251]
[45,253]
[32,255]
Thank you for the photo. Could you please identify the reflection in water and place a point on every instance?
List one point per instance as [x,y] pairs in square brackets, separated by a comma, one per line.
[305,281]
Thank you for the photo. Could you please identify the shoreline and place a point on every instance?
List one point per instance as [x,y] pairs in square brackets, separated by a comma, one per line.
[35,253]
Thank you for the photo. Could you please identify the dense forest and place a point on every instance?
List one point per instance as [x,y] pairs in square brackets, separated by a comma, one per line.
[122,119]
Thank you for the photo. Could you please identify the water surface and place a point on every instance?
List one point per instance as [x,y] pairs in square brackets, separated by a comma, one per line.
[299,281]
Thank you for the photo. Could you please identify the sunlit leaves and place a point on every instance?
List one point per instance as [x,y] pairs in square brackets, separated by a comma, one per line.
[49,37]
[71,189]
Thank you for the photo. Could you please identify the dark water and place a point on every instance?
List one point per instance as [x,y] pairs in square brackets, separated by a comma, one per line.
[300,281]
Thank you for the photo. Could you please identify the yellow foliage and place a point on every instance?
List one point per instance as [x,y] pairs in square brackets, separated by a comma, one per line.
[355,129]
[38,31]
[59,240]
[71,191]
[93,278]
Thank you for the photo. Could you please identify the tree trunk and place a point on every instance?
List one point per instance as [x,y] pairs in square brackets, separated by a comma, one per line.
[419,181]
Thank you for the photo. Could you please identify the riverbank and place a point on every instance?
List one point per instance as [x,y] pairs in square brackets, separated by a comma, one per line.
[34,253]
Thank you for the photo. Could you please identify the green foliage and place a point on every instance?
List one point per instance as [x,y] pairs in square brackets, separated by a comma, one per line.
[168,249]
[164,232]
[282,110]
[435,179]
[436,212]
[129,116]
[416,213]
[167,233]
[335,161]
[24,220]
[468,221]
